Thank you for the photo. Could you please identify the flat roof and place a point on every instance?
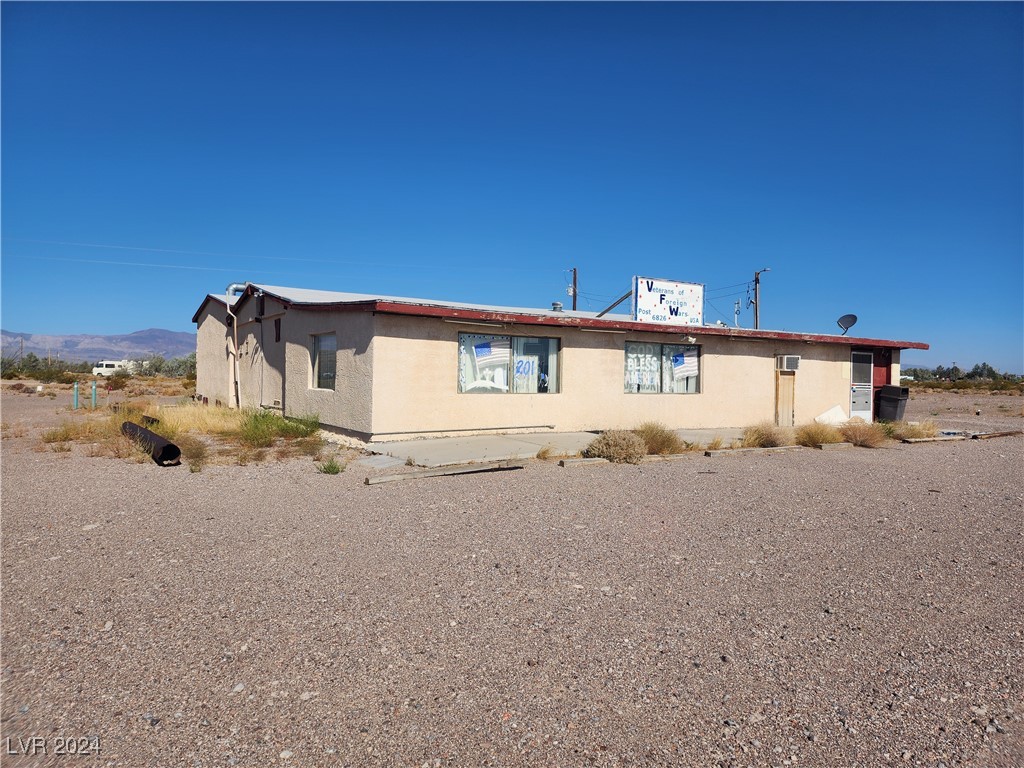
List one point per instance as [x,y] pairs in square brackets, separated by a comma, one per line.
[499,316]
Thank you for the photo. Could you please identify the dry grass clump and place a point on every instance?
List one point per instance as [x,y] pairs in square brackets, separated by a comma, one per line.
[863,434]
[13,430]
[902,430]
[716,444]
[766,435]
[202,420]
[816,433]
[238,436]
[194,451]
[659,439]
[617,445]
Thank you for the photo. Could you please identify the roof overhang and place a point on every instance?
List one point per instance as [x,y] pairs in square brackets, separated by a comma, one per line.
[598,324]
[414,308]
[210,297]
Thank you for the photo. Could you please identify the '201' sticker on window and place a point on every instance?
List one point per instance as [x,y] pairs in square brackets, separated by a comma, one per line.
[526,367]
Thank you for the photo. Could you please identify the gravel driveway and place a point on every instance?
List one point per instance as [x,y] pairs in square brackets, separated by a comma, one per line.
[843,608]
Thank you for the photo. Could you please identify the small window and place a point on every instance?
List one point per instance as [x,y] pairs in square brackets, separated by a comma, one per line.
[277,329]
[325,360]
[662,368]
[516,364]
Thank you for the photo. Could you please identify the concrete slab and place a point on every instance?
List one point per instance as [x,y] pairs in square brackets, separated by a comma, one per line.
[442,451]
[705,436]
[378,462]
[560,443]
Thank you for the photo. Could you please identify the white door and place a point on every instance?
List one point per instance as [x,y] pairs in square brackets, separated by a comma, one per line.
[861,385]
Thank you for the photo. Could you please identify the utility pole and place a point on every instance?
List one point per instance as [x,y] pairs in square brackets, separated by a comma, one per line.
[757,296]
[574,277]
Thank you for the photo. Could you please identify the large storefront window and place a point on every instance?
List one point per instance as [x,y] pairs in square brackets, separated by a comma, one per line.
[516,364]
[662,368]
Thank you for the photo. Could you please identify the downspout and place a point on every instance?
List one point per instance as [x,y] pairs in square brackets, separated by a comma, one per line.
[231,290]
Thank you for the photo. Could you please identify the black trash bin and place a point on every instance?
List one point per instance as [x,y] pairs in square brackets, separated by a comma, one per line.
[892,402]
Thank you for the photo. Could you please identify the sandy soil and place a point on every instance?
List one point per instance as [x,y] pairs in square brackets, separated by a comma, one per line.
[848,608]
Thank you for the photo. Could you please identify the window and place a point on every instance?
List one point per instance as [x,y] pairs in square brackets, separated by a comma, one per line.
[517,364]
[664,368]
[325,360]
[277,329]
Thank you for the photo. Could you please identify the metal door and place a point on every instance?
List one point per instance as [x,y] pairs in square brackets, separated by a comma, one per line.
[785,392]
[861,391]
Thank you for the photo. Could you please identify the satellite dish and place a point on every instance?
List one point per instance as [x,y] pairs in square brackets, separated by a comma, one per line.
[846,322]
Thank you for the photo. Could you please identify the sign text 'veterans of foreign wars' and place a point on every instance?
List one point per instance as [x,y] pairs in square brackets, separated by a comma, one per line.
[667,302]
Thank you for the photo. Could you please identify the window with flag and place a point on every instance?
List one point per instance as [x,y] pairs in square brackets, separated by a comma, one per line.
[509,364]
[662,368]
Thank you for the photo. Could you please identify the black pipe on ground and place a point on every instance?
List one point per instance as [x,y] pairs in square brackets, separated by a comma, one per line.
[164,452]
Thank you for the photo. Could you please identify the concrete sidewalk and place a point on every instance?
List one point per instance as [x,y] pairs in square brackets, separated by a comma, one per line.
[442,451]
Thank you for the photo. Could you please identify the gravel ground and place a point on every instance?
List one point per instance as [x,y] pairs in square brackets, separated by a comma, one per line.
[844,608]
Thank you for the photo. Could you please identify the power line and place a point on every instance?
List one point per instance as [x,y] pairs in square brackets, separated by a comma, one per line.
[122,263]
[166,250]
[734,285]
[717,310]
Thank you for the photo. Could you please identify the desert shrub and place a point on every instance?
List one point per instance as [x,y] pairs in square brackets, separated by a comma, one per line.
[902,430]
[53,376]
[864,434]
[299,426]
[617,445]
[194,451]
[765,435]
[118,380]
[17,386]
[659,439]
[816,433]
[330,467]
[716,444]
[260,429]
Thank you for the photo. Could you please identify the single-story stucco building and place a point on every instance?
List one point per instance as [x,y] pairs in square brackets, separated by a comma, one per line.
[385,368]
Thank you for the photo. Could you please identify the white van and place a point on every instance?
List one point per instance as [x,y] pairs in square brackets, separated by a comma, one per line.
[110,367]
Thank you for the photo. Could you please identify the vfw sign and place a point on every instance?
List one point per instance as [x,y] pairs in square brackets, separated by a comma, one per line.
[667,302]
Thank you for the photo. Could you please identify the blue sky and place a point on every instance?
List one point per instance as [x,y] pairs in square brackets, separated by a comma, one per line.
[869,154]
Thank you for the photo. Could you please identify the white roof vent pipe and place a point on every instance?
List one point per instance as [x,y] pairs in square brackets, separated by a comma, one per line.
[556,306]
[234,289]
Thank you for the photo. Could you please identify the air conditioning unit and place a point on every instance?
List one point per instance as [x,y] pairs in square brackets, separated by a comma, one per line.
[787,362]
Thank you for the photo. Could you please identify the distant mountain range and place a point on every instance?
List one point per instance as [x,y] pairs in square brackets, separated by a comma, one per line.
[129,346]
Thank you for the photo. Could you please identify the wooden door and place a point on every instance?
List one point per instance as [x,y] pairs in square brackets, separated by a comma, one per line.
[785,398]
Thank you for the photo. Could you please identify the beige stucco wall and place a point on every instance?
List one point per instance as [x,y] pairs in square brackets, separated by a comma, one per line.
[397,376]
[347,407]
[260,357]
[415,383]
[213,355]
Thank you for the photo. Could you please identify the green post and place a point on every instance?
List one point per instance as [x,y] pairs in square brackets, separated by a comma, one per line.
[75,401]
[94,395]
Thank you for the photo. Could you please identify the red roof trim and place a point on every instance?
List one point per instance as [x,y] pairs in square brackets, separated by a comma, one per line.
[396,308]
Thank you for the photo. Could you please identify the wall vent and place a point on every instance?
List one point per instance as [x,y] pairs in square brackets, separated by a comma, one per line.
[787,362]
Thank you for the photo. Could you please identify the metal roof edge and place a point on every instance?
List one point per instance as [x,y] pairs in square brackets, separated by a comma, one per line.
[563,319]
[210,296]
